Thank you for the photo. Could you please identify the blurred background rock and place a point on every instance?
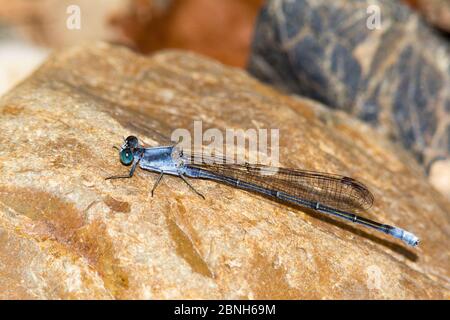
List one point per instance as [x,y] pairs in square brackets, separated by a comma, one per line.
[219,29]
[394,76]
[66,233]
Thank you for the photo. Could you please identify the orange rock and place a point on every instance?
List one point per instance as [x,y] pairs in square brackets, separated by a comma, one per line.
[218,29]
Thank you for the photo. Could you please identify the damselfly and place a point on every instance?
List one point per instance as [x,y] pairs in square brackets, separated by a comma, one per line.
[322,192]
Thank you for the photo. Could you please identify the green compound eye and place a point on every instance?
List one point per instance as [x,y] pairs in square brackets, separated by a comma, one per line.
[126,156]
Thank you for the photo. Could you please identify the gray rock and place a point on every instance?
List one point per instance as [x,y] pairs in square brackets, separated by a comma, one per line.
[396,78]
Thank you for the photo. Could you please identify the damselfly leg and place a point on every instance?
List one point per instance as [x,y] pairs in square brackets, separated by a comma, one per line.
[157,182]
[190,186]
[129,175]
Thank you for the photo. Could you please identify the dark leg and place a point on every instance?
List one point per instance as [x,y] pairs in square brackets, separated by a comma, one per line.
[125,176]
[157,182]
[190,186]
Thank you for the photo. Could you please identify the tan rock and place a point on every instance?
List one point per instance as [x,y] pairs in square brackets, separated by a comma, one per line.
[67,233]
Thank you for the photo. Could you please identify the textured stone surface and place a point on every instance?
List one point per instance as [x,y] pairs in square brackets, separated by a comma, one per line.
[396,78]
[65,232]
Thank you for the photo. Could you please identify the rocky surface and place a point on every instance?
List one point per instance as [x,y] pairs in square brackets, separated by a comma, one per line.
[65,232]
[394,75]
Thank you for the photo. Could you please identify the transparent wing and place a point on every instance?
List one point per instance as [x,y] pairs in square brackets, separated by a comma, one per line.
[332,190]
